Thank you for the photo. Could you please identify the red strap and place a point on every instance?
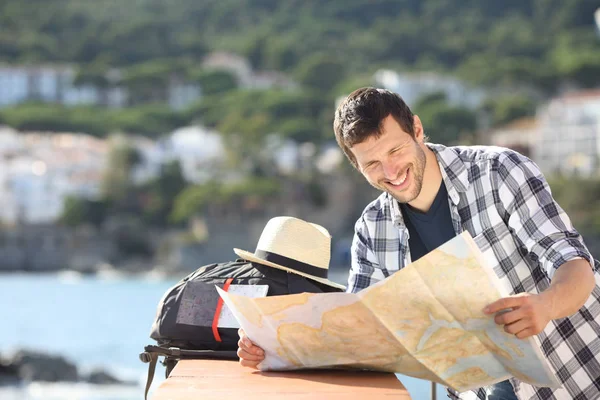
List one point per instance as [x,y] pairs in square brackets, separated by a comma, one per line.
[218,312]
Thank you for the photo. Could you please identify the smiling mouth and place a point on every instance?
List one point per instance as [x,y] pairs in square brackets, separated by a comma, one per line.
[400,181]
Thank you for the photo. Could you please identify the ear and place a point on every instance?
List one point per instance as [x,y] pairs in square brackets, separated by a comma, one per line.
[418,129]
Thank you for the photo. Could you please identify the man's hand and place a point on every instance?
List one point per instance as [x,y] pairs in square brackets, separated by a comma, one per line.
[250,354]
[527,315]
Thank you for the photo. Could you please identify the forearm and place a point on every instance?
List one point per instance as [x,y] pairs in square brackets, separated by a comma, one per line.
[571,286]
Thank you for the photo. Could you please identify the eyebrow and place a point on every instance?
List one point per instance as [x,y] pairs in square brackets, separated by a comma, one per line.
[368,164]
[396,148]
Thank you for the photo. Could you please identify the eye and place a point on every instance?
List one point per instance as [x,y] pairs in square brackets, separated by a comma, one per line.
[368,165]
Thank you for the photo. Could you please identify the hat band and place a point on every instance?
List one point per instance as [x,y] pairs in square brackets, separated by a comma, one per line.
[291,263]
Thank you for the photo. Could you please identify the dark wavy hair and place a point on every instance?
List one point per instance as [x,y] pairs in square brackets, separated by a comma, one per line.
[361,115]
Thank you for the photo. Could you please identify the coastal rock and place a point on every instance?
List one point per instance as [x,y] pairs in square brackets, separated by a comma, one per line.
[36,366]
[101,377]
[8,374]
[28,366]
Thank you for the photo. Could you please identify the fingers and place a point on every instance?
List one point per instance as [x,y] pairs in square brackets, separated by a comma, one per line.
[246,354]
[249,364]
[525,333]
[517,327]
[250,355]
[249,360]
[522,315]
[509,317]
[246,344]
[503,304]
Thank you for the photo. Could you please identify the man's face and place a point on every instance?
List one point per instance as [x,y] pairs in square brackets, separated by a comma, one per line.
[394,162]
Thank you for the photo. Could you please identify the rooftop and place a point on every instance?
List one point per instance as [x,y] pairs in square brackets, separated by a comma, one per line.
[580,95]
[524,123]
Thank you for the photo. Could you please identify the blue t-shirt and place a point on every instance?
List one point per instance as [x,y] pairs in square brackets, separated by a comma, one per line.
[431,229]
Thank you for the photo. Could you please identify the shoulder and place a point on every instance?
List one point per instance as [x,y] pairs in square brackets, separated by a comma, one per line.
[486,154]
[499,161]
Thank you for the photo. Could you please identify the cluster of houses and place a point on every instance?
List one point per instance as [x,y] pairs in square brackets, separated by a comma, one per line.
[563,137]
[60,84]
[38,170]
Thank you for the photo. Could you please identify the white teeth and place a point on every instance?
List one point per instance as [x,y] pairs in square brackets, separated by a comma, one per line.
[401,180]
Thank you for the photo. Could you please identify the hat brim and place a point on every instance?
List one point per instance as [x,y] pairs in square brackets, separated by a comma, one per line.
[246,255]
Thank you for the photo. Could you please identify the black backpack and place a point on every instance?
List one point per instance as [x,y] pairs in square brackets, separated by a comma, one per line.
[186,323]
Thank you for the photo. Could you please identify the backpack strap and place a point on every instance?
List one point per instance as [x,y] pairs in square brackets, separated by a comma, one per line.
[169,364]
[171,354]
[218,312]
[152,359]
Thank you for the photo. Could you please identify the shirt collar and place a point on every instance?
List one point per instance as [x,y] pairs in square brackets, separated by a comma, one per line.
[454,170]
[454,174]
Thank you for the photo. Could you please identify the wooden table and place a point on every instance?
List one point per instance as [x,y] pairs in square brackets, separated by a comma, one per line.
[227,380]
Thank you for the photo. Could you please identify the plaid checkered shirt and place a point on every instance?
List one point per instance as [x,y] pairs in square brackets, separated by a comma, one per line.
[502,199]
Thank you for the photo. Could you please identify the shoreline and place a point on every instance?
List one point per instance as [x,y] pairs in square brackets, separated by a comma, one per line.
[23,366]
[153,275]
[116,274]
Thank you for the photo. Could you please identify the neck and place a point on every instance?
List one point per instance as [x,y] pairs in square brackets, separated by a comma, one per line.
[432,179]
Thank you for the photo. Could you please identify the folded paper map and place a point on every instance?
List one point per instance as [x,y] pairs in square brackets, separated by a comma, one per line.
[424,321]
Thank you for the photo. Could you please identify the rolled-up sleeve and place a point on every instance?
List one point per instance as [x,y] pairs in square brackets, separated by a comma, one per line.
[526,201]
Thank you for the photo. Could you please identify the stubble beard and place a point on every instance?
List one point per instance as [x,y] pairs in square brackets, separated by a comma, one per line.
[418,171]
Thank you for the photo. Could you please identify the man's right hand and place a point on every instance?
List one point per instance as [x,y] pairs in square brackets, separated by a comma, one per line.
[250,354]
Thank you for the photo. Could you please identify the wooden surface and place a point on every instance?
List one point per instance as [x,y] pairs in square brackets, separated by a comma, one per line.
[227,380]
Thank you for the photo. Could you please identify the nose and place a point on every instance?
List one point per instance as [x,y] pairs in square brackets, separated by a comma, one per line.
[390,170]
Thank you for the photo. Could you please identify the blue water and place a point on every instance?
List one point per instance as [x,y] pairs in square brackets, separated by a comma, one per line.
[94,323]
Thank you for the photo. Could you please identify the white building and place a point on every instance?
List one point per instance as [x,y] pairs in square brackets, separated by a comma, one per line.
[246,77]
[38,172]
[199,151]
[413,86]
[235,64]
[56,84]
[19,84]
[53,84]
[520,135]
[271,79]
[182,94]
[569,134]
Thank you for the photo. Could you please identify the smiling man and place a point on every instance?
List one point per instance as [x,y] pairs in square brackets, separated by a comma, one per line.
[431,193]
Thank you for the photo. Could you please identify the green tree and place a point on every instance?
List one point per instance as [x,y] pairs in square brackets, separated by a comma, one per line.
[56,118]
[321,72]
[78,211]
[577,57]
[149,120]
[507,108]
[215,81]
[248,193]
[194,200]
[158,195]
[117,184]
[445,123]
[147,82]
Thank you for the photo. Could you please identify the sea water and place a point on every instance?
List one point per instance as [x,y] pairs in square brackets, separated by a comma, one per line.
[92,322]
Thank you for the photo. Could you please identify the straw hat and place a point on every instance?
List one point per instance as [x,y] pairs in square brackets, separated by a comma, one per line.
[295,246]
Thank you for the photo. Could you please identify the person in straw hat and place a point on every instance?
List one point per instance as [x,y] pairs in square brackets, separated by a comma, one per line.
[432,193]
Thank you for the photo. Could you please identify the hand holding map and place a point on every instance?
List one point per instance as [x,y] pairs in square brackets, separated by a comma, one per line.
[424,321]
